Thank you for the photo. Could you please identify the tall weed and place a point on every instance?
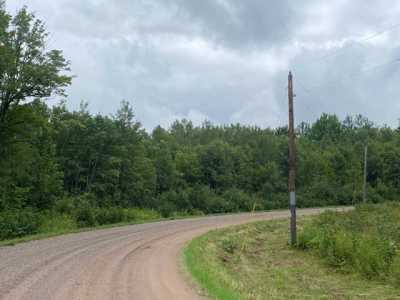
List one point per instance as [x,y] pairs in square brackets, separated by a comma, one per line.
[364,240]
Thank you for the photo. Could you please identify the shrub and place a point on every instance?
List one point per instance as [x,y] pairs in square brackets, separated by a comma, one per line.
[57,223]
[141,214]
[340,252]
[373,257]
[395,269]
[237,200]
[85,216]
[196,212]
[167,209]
[14,224]
[65,205]
[309,237]
[217,204]
[110,215]
[166,205]
[364,240]
[201,197]
[275,201]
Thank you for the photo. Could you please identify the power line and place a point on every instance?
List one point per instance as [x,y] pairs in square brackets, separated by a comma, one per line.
[349,76]
[370,37]
[315,113]
[309,92]
[357,75]
[397,60]
[354,75]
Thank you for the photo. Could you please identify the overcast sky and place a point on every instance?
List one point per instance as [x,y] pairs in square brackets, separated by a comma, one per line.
[227,60]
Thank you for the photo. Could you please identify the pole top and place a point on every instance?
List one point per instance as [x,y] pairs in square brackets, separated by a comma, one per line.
[290,73]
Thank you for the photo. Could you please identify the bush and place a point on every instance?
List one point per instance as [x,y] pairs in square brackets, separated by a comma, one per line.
[110,215]
[201,198]
[141,214]
[57,223]
[395,269]
[166,205]
[167,209]
[197,212]
[85,216]
[364,240]
[14,224]
[205,200]
[373,257]
[65,206]
[275,201]
[237,200]
[309,238]
[343,249]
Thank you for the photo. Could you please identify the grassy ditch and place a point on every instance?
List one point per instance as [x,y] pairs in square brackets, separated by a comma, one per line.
[254,261]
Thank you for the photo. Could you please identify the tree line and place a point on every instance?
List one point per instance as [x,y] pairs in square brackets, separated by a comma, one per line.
[112,161]
[55,159]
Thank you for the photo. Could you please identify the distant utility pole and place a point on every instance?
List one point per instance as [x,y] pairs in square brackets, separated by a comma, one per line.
[292,165]
[365,174]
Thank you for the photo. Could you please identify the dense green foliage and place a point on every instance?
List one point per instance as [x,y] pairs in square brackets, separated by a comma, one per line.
[365,240]
[75,159]
[57,161]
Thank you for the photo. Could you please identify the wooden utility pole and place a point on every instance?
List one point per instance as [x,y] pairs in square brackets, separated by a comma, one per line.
[292,165]
[365,174]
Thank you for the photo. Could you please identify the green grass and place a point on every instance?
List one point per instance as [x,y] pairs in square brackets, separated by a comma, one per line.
[254,261]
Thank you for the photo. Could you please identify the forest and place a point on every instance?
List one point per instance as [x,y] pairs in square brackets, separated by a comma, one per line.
[91,169]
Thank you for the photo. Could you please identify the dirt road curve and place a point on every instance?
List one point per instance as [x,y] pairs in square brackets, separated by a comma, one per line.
[134,262]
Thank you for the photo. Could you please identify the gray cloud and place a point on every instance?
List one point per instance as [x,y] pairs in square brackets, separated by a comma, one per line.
[227,60]
[236,23]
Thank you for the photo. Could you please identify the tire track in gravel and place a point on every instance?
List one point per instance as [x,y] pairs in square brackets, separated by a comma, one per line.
[23,281]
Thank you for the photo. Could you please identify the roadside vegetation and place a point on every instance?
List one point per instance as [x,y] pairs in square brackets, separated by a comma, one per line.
[254,261]
[63,168]
[364,241]
[26,225]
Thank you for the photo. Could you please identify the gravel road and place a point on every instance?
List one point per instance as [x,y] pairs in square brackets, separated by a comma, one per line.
[133,262]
